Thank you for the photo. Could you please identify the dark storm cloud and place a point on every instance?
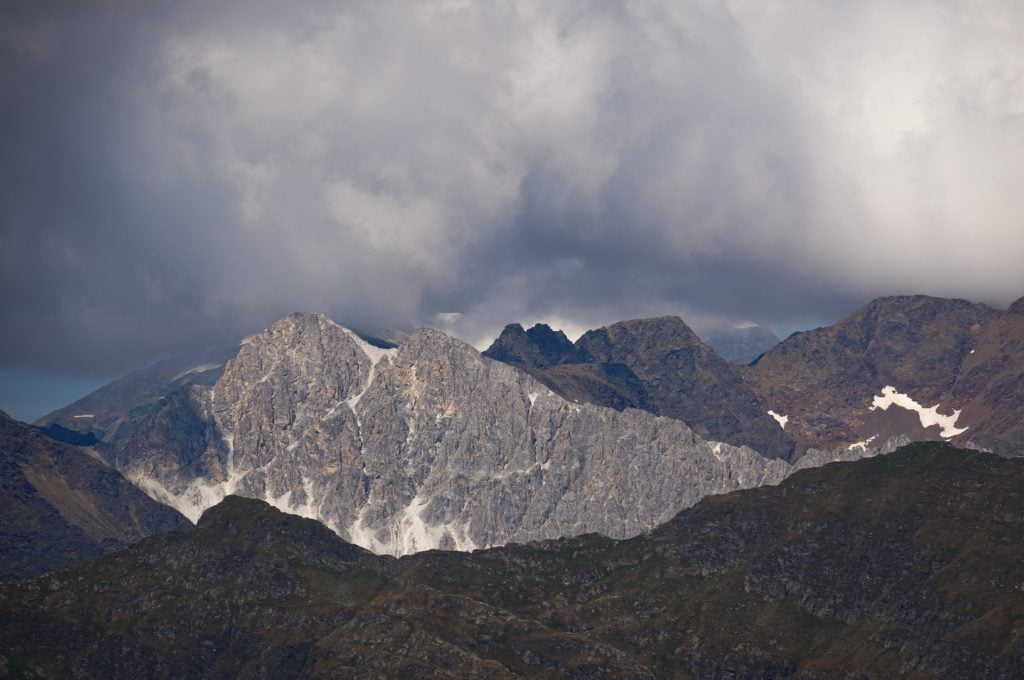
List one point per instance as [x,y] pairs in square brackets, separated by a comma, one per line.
[180,173]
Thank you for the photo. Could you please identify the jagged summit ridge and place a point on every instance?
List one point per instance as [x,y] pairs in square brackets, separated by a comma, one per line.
[658,365]
[429,445]
[540,346]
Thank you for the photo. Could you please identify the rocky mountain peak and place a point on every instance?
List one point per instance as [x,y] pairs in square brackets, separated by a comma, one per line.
[432,342]
[538,347]
[920,366]
[431,445]
[624,341]
[302,358]
[657,365]
[1017,307]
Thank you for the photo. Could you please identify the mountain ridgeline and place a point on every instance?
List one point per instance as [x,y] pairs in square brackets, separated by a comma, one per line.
[431,445]
[427,445]
[657,365]
[904,565]
[629,505]
[113,410]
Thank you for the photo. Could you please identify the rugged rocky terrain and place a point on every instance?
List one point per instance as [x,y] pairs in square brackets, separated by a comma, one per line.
[61,504]
[657,365]
[427,445]
[928,368]
[905,565]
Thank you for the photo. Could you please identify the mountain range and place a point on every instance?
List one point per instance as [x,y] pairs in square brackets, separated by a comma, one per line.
[427,445]
[432,445]
[665,512]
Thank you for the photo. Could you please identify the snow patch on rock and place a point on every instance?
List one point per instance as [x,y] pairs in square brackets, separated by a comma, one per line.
[191,502]
[199,368]
[928,416]
[410,533]
[781,420]
[863,446]
[374,353]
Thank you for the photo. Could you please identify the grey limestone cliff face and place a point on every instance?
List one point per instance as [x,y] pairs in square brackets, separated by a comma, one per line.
[429,445]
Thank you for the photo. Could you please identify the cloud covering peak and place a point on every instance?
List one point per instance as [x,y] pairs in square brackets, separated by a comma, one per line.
[182,172]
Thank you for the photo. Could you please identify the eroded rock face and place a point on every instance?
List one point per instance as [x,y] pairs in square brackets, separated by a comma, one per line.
[429,445]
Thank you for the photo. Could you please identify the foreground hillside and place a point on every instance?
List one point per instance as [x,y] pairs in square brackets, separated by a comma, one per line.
[905,565]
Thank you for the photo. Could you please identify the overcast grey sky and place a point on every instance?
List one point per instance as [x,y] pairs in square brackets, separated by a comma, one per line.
[178,173]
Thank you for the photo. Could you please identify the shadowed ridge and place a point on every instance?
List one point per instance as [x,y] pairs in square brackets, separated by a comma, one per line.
[659,365]
[621,340]
[909,477]
[538,347]
[254,523]
[60,504]
[253,527]
[238,512]
[662,366]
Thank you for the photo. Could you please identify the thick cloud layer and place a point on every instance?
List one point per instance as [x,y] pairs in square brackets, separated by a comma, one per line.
[183,172]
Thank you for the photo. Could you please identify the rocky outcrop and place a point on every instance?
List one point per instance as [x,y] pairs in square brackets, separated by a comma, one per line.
[657,365]
[538,347]
[917,366]
[61,504]
[429,445]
